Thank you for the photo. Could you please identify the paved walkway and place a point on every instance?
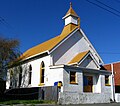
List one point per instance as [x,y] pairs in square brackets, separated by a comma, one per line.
[105,104]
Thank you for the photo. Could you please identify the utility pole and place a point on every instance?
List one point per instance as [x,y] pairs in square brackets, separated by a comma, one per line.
[113,84]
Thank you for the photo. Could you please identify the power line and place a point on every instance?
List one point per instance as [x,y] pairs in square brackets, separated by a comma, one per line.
[103,8]
[107,6]
[9,26]
[115,53]
[3,21]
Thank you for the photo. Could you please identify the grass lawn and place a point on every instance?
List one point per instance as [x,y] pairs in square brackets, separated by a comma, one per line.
[11,102]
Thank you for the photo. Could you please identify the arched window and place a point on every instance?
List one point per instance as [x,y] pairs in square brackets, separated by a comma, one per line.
[20,76]
[30,75]
[42,72]
[11,78]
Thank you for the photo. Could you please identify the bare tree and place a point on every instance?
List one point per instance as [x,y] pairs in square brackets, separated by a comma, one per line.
[12,68]
[9,52]
[18,76]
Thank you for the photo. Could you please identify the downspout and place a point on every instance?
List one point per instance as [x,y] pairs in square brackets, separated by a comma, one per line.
[51,60]
[112,84]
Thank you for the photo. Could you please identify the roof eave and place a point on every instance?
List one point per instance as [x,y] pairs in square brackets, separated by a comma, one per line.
[75,63]
[70,15]
[89,70]
[36,55]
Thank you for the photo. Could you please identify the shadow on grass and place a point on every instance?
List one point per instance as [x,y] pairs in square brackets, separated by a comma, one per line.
[11,102]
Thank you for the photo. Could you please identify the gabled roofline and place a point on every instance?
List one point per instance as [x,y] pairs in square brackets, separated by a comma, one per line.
[89,53]
[63,41]
[83,58]
[78,57]
[50,51]
[91,45]
[86,55]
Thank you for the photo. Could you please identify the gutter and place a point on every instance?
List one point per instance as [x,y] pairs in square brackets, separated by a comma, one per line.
[35,55]
[85,70]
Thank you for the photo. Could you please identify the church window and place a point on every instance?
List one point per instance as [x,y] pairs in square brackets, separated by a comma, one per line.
[30,74]
[20,76]
[42,72]
[72,77]
[107,80]
[11,78]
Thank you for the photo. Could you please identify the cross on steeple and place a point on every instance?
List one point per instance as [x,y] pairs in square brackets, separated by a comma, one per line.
[70,4]
[71,16]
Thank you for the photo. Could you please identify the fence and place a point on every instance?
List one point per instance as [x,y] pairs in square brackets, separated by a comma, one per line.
[2,89]
[33,93]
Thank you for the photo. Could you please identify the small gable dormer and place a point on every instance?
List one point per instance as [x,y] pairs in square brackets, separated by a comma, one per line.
[71,17]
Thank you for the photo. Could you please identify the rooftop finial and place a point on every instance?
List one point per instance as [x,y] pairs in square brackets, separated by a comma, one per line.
[70,4]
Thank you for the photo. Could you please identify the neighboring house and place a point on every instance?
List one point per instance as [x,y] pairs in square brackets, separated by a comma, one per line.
[115,69]
[68,58]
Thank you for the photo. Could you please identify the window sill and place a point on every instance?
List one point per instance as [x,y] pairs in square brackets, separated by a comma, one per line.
[74,83]
[41,84]
[107,85]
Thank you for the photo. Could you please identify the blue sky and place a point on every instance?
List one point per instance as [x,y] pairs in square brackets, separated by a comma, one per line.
[35,21]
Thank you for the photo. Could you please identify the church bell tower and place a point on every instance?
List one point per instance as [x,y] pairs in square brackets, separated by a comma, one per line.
[71,17]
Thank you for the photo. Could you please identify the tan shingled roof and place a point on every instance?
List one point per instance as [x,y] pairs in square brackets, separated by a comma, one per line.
[50,44]
[78,57]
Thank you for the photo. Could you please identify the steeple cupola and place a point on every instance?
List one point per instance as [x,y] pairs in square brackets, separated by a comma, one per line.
[71,17]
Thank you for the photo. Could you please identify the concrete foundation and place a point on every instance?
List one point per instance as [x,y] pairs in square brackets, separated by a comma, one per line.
[83,98]
[117,97]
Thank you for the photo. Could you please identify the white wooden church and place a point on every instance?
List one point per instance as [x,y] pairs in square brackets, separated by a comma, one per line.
[70,59]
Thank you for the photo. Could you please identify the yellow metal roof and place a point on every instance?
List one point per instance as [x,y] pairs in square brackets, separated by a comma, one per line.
[71,12]
[50,44]
[78,57]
